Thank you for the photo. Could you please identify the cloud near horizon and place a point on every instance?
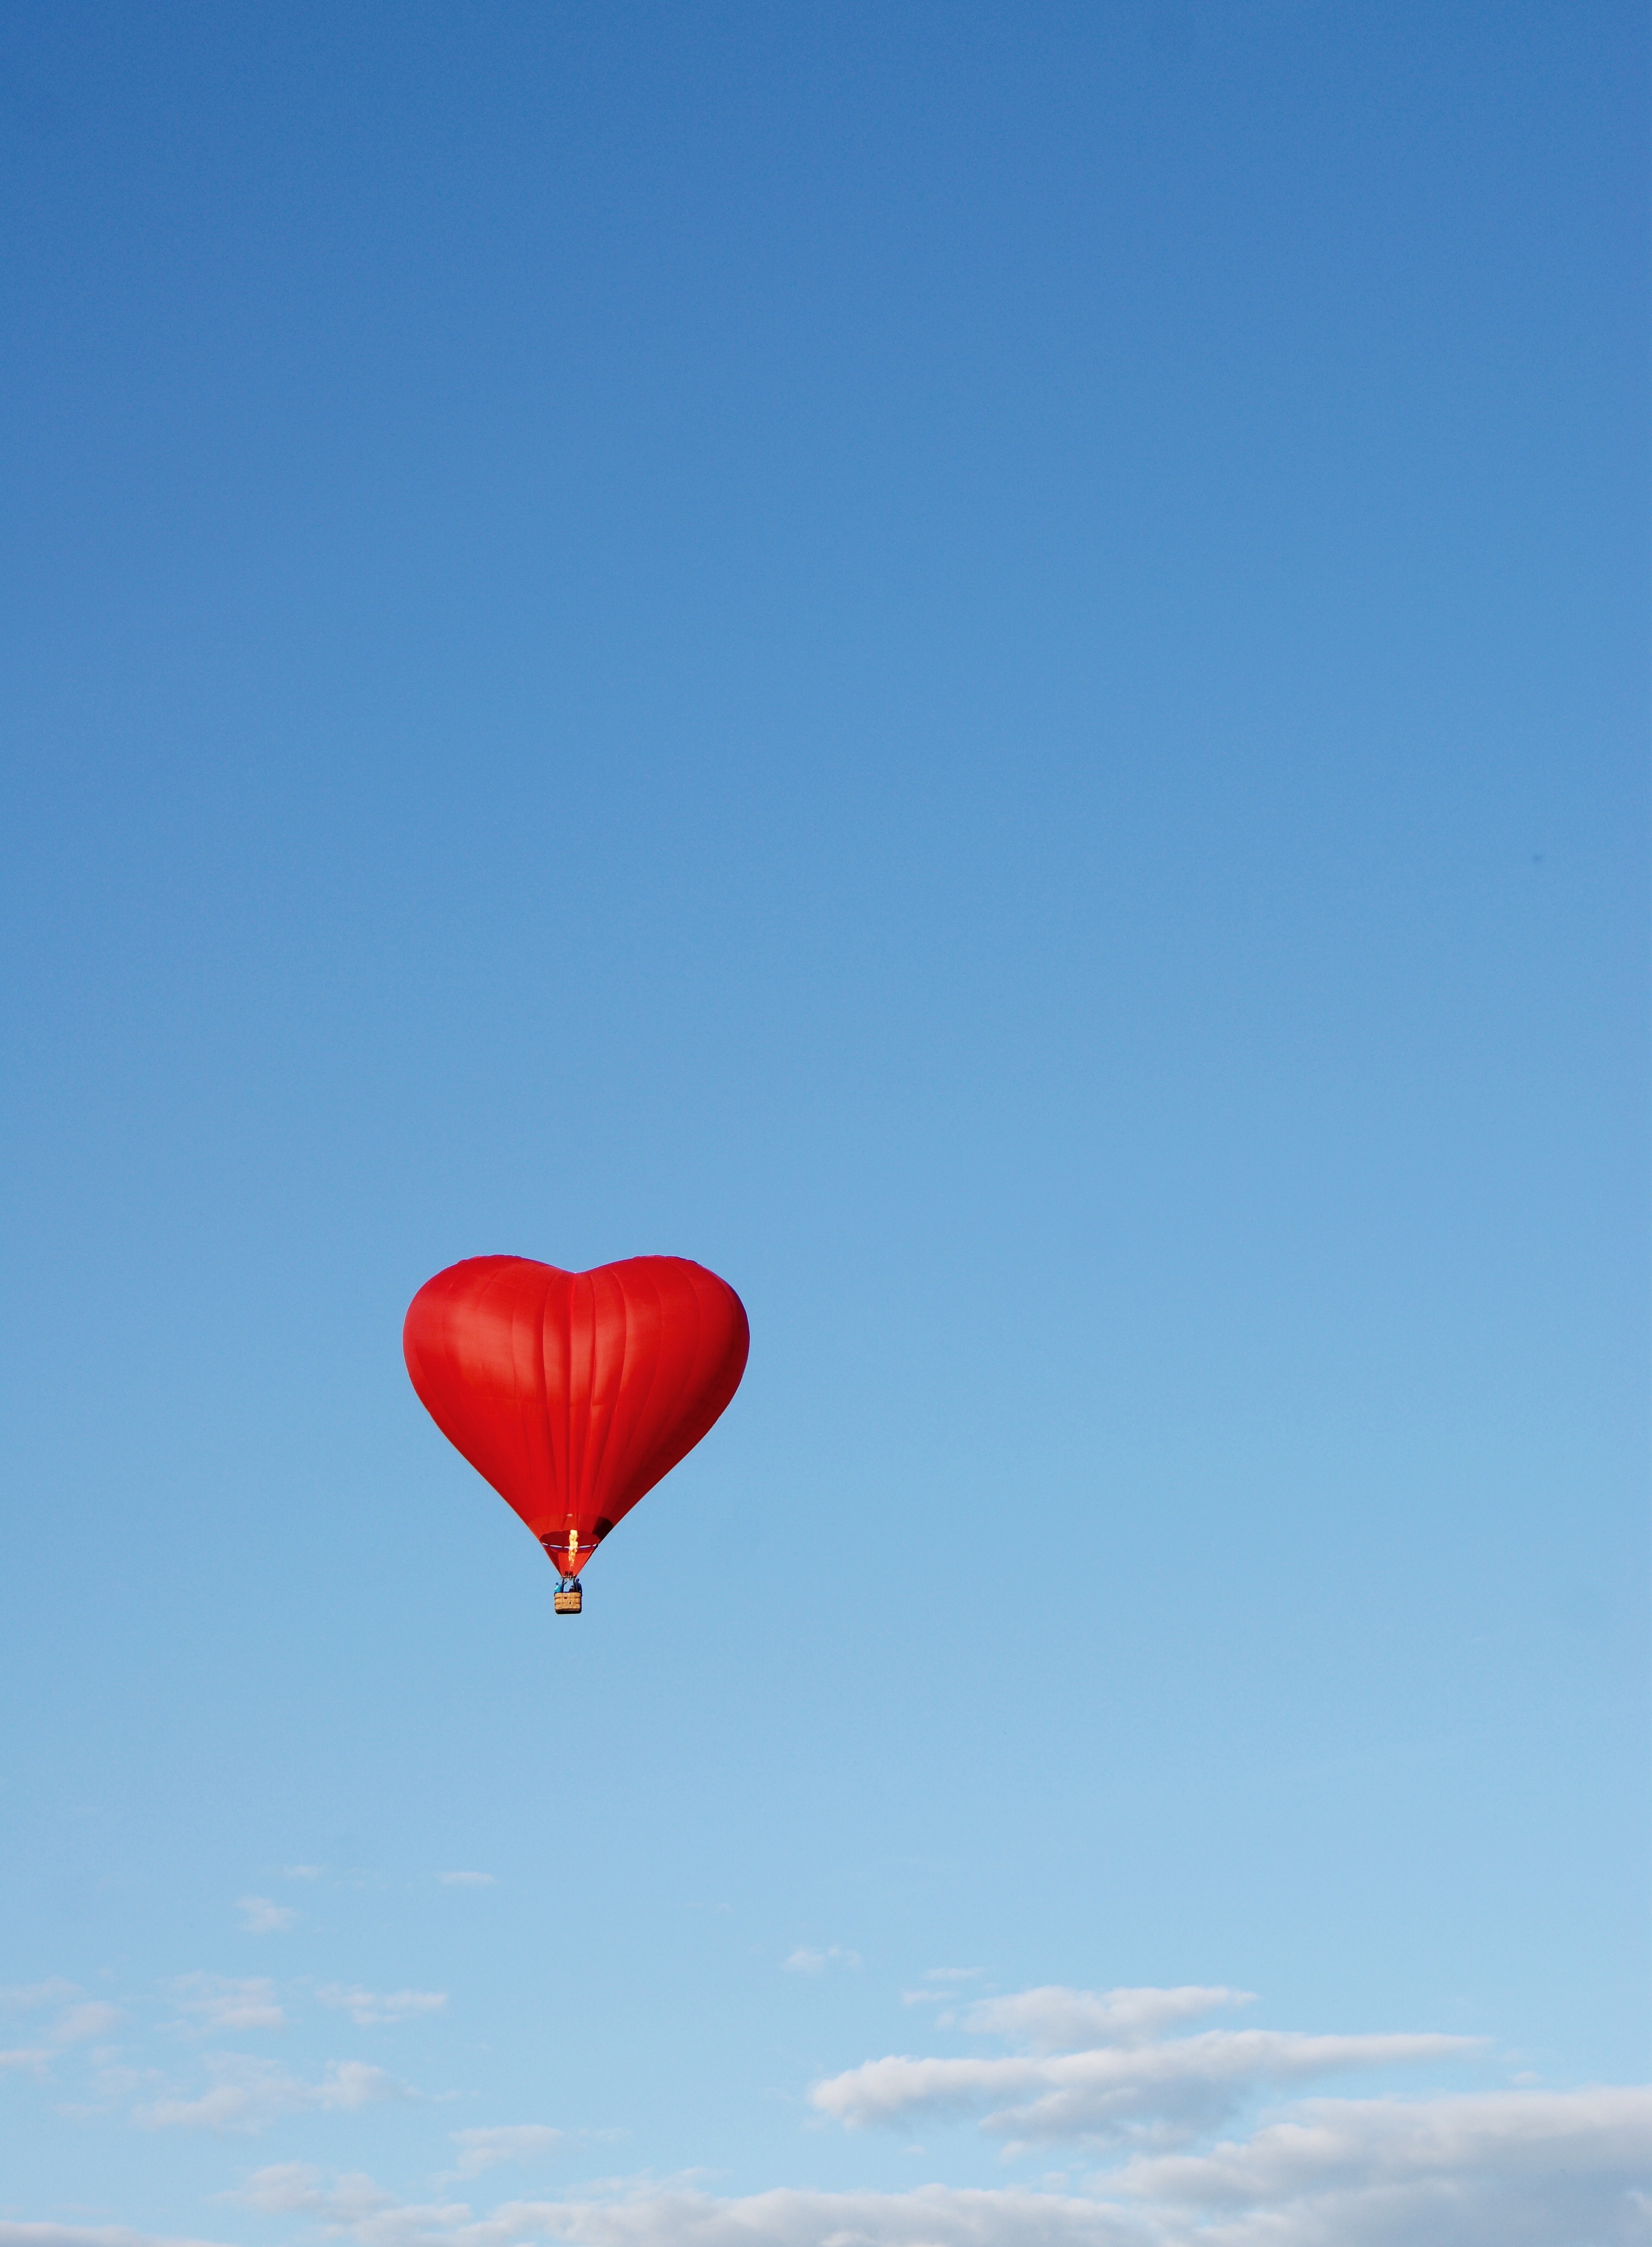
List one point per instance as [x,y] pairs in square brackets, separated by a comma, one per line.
[1217,2138]
[1501,2168]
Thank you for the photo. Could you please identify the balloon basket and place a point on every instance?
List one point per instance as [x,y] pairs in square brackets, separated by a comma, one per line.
[569,1602]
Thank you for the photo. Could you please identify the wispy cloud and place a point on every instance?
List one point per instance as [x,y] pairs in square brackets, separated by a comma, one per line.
[805,1961]
[1510,2168]
[369,2010]
[24,1997]
[509,2142]
[1175,2159]
[942,1985]
[303,1872]
[211,2002]
[653,2216]
[83,2022]
[29,2059]
[1128,2083]
[1512,2150]
[116,2082]
[249,2094]
[1056,2019]
[88,2235]
[260,1916]
[466,1880]
[355,2208]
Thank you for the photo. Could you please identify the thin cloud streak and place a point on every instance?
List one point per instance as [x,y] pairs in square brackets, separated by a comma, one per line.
[369,2010]
[22,1997]
[90,2235]
[1056,2019]
[486,2149]
[85,2022]
[259,1915]
[1170,2092]
[249,2094]
[206,2003]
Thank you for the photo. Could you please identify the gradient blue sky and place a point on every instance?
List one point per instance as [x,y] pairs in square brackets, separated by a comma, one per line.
[987,666]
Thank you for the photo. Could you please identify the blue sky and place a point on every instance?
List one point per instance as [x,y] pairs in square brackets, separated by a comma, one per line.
[985,666]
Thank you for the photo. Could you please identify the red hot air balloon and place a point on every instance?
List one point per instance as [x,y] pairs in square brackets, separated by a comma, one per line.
[574,1392]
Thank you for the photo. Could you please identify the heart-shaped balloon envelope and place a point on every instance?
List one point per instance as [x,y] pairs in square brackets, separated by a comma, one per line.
[574,1392]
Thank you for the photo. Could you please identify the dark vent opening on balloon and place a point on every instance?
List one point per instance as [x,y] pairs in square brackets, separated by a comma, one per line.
[603,1525]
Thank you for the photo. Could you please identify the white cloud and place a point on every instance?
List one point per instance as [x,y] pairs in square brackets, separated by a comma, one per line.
[115,2080]
[1163,2092]
[303,1872]
[1509,2168]
[77,2023]
[466,1880]
[805,1961]
[1488,2169]
[80,2023]
[213,2002]
[1497,2169]
[1055,2019]
[22,1997]
[355,2208]
[510,2141]
[941,1985]
[651,2215]
[368,2010]
[87,2235]
[249,2094]
[260,1916]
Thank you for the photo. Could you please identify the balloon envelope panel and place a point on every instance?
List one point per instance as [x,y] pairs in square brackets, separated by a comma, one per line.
[574,1392]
